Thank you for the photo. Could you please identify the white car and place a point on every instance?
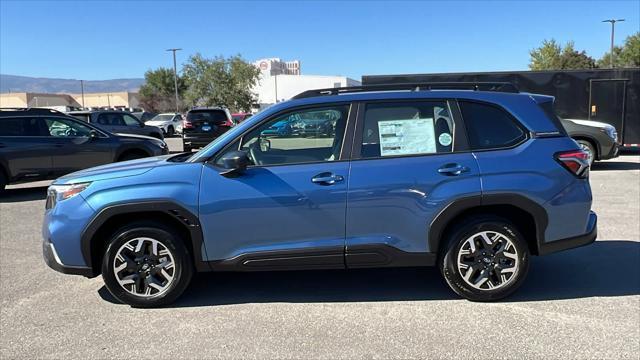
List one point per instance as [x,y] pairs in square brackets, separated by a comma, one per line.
[170,123]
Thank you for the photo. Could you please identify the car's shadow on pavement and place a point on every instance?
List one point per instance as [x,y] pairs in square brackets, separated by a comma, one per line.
[23,194]
[606,268]
[615,165]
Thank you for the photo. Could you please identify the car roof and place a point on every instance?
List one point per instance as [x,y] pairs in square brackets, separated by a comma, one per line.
[517,103]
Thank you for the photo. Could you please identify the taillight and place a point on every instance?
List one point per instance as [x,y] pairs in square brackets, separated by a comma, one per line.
[576,161]
[228,123]
[186,124]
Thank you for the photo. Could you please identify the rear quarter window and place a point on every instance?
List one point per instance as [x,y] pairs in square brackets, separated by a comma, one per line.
[489,127]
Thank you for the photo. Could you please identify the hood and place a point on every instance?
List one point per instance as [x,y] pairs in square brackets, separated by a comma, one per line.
[157,122]
[115,170]
[597,124]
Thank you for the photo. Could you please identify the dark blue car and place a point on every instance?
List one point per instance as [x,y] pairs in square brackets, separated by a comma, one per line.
[473,181]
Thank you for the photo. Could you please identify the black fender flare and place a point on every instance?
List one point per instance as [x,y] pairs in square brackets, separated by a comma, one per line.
[190,222]
[457,207]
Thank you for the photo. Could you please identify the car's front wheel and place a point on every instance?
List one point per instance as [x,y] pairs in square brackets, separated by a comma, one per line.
[146,265]
[486,258]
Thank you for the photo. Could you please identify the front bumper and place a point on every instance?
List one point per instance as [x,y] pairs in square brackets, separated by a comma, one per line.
[612,152]
[573,242]
[52,260]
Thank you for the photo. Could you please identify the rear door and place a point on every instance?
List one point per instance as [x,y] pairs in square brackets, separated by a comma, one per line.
[410,161]
[24,148]
[606,103]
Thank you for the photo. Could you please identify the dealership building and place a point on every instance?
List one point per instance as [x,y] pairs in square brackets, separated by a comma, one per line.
[282,80]
[122,99]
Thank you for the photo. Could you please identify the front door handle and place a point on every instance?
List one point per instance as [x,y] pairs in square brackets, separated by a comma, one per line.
[326,178]
[453,169]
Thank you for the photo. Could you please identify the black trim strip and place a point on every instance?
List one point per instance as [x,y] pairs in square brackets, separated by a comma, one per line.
[279,260]
[382,255]
[182,215]
[573,242]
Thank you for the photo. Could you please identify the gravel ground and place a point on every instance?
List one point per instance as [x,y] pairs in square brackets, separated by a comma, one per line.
[582,303]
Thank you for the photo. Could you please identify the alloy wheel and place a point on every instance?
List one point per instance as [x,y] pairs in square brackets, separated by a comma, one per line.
[488,260]
[144,267]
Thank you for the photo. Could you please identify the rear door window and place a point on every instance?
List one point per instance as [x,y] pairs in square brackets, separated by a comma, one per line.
[22,126]
[111,119]
[130,120]
[489,127]
[407,128]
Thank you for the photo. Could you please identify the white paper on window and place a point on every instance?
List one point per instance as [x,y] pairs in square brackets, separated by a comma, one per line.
[406,137]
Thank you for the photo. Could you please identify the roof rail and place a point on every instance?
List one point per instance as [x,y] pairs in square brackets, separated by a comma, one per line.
[33,111]
[475,86]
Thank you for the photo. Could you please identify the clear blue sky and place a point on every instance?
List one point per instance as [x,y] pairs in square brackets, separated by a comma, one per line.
[97,40]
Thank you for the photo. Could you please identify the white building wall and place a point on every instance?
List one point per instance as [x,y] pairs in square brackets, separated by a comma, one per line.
[291,85]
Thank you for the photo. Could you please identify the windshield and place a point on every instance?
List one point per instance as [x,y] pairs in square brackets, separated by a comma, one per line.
[165,117]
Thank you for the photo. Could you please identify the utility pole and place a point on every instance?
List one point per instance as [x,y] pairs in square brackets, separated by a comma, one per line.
[82,89]
[613,29]
[175,75]
[276,81]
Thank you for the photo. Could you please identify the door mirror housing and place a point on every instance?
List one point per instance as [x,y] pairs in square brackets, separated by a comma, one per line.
[234,163]
[93,134]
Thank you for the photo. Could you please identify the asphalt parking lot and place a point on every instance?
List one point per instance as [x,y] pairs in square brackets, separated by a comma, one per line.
[582,303]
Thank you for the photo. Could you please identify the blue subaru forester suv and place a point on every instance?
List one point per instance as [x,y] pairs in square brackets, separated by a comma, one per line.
[472,178]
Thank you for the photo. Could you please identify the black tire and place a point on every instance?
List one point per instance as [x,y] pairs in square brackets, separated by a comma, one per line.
[170,131]
[132,155]
[448,261]
[171,240]
[157,136]
[590,148]
[3,181]
[186,148]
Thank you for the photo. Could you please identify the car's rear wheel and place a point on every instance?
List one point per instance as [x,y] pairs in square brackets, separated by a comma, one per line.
[587,147]
[186,148]
[486,258]
[3,181]
[146,265]
[170,131]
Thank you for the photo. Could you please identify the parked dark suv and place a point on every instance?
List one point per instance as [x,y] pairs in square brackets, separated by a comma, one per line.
[203,125]
[118,122]
[597,139]
[40,144]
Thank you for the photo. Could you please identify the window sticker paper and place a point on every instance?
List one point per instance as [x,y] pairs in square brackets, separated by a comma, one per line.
[406,137]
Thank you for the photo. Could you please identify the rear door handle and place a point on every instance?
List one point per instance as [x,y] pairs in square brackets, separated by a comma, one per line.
[453,169]
[326,178]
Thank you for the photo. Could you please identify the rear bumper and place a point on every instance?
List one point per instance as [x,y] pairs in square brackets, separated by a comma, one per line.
[573,242]
[53,261]
[197,141]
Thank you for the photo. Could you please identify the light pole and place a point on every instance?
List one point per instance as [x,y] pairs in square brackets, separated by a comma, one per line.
[82,89]
[613,29]
[175,75]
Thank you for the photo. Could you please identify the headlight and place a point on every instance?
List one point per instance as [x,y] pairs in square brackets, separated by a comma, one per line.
[611,132]
[57,193]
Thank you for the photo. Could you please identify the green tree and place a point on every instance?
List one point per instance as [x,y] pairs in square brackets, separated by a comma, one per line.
[627,55]
[220,82]
[552,56]
[158,91]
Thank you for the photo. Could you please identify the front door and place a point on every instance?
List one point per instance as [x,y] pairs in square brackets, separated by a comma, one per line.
[409,163]
[73,148]
[288,209]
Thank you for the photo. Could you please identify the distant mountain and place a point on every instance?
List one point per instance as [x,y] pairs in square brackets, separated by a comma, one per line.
[14,83]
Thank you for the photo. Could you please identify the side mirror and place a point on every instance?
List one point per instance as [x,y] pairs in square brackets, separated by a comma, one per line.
[234,163]
[93,134]
[141,124]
